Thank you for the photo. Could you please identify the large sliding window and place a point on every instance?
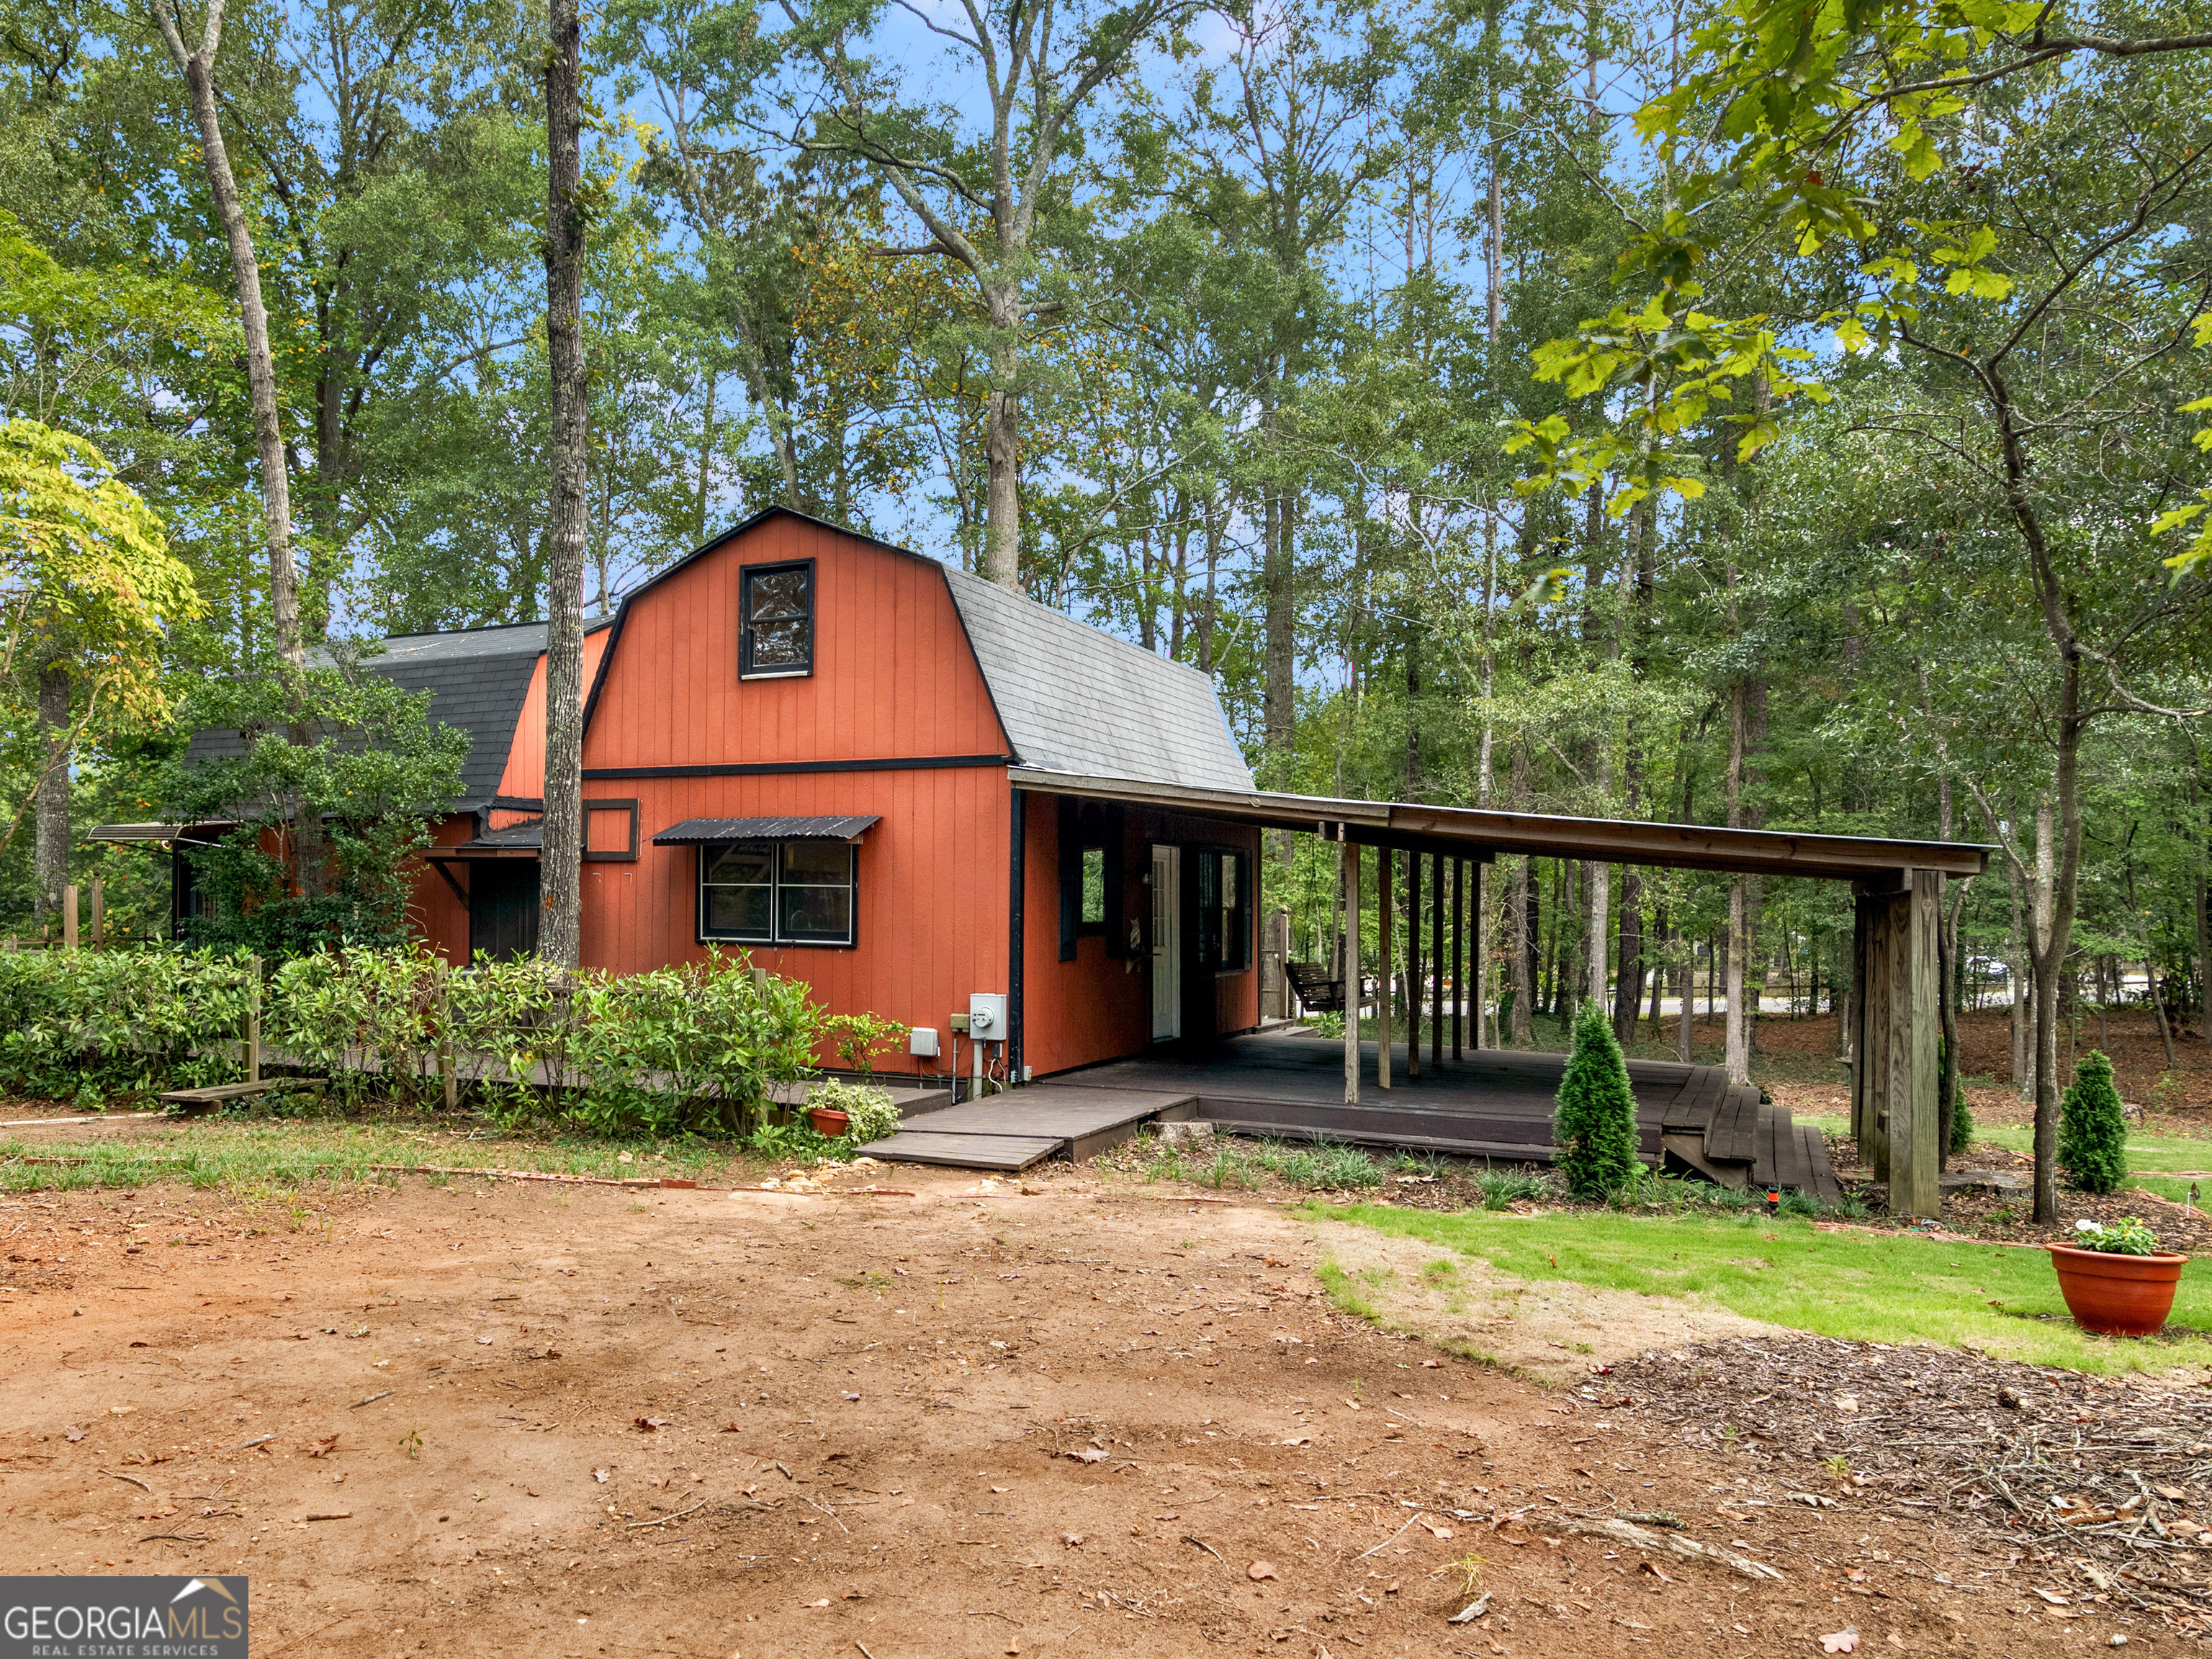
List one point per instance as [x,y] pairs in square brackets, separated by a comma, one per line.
[778,892]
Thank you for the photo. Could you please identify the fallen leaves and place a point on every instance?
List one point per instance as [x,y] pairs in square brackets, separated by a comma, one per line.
[2053,1597]
[1071,1539]
[649,1425]
[1848,1404]
[1845,1640]
[322,1448]
[1260,1570]
[1088,1455]
[600,1475]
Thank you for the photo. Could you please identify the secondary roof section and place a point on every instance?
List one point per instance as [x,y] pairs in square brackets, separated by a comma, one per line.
[1472,832]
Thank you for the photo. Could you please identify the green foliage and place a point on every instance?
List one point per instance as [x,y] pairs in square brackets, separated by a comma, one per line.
[2093,1130]
[861,1040]
[872,1114]
[1962,1124]
[689,1050]
[340,751]
[1594,1123]
[2125,1237]
[83,1024]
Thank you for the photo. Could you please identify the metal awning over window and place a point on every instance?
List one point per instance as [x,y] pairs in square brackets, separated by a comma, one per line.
[699,832]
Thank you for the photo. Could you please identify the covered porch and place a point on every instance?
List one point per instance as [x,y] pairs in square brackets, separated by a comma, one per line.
[1423,1081]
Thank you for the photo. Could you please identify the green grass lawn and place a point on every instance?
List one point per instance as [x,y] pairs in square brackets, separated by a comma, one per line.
[271,1154]
[2147,1155]
[1866,1287]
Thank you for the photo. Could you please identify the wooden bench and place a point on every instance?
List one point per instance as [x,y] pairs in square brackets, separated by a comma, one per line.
[1319,991]
[216,1094]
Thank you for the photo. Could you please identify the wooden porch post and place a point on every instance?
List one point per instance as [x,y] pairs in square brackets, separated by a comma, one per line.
[1914,981]
[1412,964]
[1855,1010]
[1459,963]
[1347,878]
[1387,967]
[1478,961]
[1436,960]
[1874,1035]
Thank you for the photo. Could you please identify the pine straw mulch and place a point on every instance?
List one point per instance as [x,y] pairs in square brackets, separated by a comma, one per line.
[2102,1489]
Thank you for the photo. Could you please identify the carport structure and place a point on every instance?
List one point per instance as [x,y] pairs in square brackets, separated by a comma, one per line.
[1898,887]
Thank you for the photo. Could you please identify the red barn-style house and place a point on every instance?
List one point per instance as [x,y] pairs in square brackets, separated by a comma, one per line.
[932,800]
[807,744]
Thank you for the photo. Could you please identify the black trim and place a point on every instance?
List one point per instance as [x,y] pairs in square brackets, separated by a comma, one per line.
[515,804]
[761,768]
[773,568]
[1018,865]
[1069,857]
[630,806]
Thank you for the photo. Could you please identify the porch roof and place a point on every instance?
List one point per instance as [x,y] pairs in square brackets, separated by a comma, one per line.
[1474,832]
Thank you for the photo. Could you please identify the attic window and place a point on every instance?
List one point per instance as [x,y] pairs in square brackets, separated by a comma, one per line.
[776,604]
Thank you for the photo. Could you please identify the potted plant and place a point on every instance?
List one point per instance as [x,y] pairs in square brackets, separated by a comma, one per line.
[2116,1279]
[838,1108]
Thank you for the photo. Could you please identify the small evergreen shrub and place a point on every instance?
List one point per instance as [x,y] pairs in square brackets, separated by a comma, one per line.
[1962,1123]
[1593,1122]
[2093,1132]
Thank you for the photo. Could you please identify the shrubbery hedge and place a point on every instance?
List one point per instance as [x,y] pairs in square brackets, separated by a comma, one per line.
[694,1048]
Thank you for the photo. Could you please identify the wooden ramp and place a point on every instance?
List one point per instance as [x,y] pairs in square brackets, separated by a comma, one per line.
[1493,1104]
[1012,1131]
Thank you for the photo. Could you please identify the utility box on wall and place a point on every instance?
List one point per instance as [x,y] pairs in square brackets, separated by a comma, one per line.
[987,1016]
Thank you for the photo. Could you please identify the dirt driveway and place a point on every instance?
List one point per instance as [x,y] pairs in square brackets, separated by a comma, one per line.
[516,1419]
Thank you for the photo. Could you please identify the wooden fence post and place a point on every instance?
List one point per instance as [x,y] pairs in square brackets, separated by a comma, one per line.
[99,912]
[253,1019]
[446,1072]
[69,916]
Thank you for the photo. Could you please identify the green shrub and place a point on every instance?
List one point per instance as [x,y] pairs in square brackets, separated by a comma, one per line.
[1962,1123]
[83,1024]
[1594,1123]
[2093,1132]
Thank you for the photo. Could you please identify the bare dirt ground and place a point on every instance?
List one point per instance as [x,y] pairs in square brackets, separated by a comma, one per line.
[511,1419]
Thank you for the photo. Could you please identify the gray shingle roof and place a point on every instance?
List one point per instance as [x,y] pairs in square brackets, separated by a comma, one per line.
[477,679]
[1074,699]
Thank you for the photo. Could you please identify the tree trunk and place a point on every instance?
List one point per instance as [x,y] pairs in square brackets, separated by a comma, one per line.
[50,854]
[2046,964]
[1002,432]
[198,66]
[561,932]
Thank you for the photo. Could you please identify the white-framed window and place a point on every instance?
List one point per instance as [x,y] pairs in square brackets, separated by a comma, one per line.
[778,892]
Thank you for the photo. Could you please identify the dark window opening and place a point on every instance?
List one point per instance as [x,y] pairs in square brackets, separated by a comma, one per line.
[1093,917]
[1225,911]
[776,602]
[778,892]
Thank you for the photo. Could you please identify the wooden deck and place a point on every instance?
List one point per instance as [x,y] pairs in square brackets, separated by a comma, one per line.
[1289,1084]
[1494,1103]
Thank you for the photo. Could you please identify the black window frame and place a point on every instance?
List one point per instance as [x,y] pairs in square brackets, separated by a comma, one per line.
[777,938]
[781,566]
[1224,932]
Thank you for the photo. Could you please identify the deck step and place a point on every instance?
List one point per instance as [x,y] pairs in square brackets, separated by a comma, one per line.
[965,1152]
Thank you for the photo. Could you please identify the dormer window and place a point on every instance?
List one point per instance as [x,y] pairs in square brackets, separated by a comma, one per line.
[777,604]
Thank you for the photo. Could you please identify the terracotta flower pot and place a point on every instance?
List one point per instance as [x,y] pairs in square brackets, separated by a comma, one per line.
[833,1123]
[2118,1295]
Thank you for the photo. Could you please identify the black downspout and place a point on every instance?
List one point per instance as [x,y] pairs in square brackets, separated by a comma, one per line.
[1015,867]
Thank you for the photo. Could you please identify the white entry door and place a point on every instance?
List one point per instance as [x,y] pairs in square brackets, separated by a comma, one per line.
[1167,943]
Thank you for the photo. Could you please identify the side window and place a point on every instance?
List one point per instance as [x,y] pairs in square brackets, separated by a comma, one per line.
[777,892]
[1227,896]
[1093,917]
[775,606]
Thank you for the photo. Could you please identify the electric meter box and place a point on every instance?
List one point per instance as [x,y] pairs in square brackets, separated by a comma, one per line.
[922,1042]
[987,1016]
